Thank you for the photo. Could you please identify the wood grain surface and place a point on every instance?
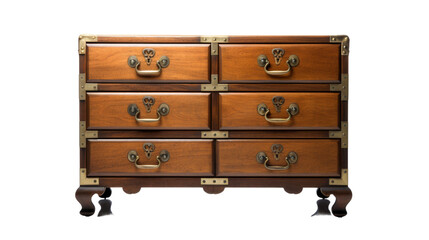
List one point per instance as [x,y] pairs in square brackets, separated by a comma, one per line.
[316,157]
[188,111]
[238,111]
[319,63]
[108,62]
[187,157]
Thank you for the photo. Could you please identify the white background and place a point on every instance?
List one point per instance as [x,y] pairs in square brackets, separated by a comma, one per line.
[388,116]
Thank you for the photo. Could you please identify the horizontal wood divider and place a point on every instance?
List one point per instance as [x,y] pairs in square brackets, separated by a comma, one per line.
[197,134]
[196,182]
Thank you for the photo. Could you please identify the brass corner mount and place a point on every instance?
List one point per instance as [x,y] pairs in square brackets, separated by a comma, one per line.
[345,42]
[83,39]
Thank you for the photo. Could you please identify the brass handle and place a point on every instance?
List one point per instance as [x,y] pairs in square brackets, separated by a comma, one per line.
[149,73]
[133,157]
[263,110]
[291,158]
[163,62]
[263,61]
[162,110]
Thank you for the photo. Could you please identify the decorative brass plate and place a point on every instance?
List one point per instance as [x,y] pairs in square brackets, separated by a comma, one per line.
[214,181]
[278,102]
[148,102]
[148,149]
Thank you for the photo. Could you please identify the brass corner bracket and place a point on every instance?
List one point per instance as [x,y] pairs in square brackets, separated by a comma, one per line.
[87,181]
[214,86]
[343,134]
[214,181]
[214,134]
[343,87]
[84,87]
[344,40]
[214,41]
[83,39]
[344,180]
[83,134]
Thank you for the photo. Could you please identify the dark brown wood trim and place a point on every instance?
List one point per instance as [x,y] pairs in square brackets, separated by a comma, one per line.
[149,134]
[142,87]
[110,87]
[197,39]
[196,182]
[148,39]
[279,39]
[307,82]
[279,87]
[143,81]
[197,134]
[344,64]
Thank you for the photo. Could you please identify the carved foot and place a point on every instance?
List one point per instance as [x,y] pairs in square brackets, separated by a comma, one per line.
[293,189]
[83,196]
[213,189]
[343,195]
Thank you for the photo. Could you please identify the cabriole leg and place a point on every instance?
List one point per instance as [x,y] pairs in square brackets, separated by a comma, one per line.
[343,195]
[83,196]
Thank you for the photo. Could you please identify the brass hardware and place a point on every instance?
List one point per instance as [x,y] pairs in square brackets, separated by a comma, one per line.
[276,149]
[214,86]
[85,180]
[83,134]
[84,87]
[148,54]
[278,54]
[133,157]
[210,39]
[148,149]
[214,41]
[343,134]
[343,87]
[163,110]
[148,102]
[278,102]
[344,180]
[263,110]
[344,40]
[291,158]
[164,155]
[263,61]
[83,39]
[214,181]
[214,134]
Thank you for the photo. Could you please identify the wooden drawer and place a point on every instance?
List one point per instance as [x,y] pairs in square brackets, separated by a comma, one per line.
[187,62]
[187,111]
[315,157]
[315,111]
[318,63]
[186,157]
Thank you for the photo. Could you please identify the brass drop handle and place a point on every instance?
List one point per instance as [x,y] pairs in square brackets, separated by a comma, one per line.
[133,157]
[263,61]
[148,54]
[291,158]
[162,110]
[263,110]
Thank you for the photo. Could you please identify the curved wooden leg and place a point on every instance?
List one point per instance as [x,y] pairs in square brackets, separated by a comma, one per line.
[213,189]
[83,196]
[343,195]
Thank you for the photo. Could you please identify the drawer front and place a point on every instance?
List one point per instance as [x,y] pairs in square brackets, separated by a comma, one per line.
[317,63]
[314,111]
[109,62]
[186,111]
[185,157]
[313,157]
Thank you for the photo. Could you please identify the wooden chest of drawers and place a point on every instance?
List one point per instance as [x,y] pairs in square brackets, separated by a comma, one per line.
[213,112]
